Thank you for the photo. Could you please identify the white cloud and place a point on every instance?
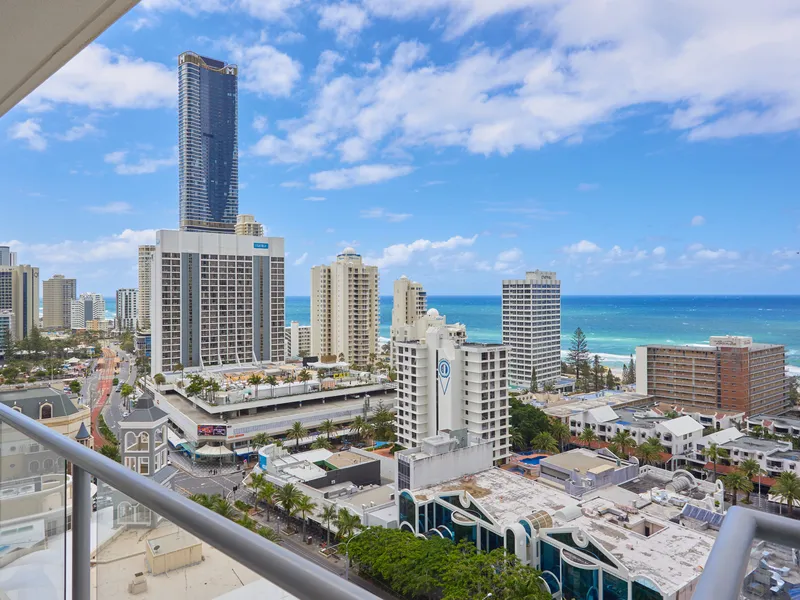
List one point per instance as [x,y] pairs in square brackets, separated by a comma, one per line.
[118,246]
[582,247]
[315,198]
[77,132]
[588,187]
[289,37]
[380,213]
[720,254]
[718,69]
[265,70]
[293,184]
[508,235]
[111,208]
[268,10]
[698,220]
[102,78]
[659,252]
[29,131]
[401,254]
[508,261]
[144,166]
[355,176]
[330,230]
[786,253]
[301,259]
[192,7]
[345,19]
[260,123]
[328,59]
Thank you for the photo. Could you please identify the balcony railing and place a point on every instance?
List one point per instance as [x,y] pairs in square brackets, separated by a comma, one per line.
[727,564]
[58,504]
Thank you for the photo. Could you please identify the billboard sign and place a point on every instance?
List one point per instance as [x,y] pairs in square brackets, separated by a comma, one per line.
[215,430]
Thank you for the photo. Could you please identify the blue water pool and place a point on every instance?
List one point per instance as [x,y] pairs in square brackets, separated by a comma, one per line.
[533,460]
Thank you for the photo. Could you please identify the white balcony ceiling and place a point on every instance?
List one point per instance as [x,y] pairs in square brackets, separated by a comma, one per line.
[37,37]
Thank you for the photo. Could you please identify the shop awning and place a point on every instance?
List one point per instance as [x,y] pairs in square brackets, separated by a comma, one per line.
[174,439]
[209,450]
[244,451]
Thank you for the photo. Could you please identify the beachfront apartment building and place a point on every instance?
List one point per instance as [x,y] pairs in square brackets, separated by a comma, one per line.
[410,302]
[345,311]
[247,225]
[532,328]
[146,254]
[217,299]
[88,307]
[447,383]
[58,293]
[298,340]
[730,373]
[19,294]
[127,309]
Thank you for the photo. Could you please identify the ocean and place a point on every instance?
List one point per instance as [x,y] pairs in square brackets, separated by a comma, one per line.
[615,325]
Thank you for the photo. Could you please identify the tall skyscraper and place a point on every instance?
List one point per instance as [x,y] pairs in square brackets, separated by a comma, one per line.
[19,293]
[247,225]
[532,327]
[445,382]
[127,308]
[344,308]
[208,145]
[88,307]
[217,300]
[58,294]
[7,257]
[410,303]
[146,254]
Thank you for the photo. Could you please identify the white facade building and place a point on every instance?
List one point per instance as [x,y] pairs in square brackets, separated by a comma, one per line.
[19,293]
[345,313]
[410,303]
[146,254]
[127,308]
[445,382]
[217,299]
[532,327]
[6,323]
[88,307]
[58,292]
[247,225]
[298,340]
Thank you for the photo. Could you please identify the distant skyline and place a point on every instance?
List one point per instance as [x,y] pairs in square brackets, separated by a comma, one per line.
[456,142]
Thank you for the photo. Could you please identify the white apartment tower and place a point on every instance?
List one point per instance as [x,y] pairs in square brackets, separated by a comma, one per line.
[247,225]
[344,308]
[447,383]
[532,327]
[298,340]
[146,254]
[88,307]
[127,308]
[410,303]
[217,299]
[19,293]
[58,294]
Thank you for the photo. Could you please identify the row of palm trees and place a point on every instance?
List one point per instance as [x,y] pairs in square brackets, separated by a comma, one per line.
[223,507]
[294,501]
[623,444]
[256,379]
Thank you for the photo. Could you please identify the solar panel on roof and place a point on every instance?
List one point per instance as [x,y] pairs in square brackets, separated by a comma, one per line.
[701,514]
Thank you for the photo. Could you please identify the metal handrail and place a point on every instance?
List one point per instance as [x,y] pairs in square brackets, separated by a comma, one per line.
[287,570]
[726,566]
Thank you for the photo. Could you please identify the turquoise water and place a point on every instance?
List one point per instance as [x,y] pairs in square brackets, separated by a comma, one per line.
[615,325]
[532,461]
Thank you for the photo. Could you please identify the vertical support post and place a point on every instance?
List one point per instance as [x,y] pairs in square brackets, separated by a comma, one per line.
[81,532]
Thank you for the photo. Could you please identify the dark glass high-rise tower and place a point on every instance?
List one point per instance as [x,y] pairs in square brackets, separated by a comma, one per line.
[208,144]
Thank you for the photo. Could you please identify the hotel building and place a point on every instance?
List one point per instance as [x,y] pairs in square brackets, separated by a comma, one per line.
[58,294]
[298,340]
[447,383]
[19,293]
[88,307]
[127,308]
[532,327]
[146,254]
[217,300]
[410,303]
[730,373]
[345,313]
[246,225]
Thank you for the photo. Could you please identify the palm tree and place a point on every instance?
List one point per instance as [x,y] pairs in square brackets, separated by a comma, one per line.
[305,505]
[372,358]
[347,523]
[260,440]
[614,449]
[624,440]
[223,507]
[737,482]
[203,500]
[271,381]
[269,534]
[267,493]
[297,432]
[179,367]
[256,481]
[327,427]
[517,439]
[648,453]
[359,426]
[255,380]
[751,469]
[560,431]
[247,522]
[329,513]
[159,379]
[321,443]
[288,497]
[787,487]
[341,357]
[544,442]
[304,376]
[714,454]
[588,436]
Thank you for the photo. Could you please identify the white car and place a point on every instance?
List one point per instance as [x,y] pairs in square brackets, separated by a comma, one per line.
[125,414]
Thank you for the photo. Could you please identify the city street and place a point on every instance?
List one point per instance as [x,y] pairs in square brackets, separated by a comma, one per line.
[112,411]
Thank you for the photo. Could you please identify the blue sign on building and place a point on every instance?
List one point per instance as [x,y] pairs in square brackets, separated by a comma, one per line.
[263,245]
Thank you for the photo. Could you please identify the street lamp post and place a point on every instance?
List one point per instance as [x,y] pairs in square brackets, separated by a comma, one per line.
[347,556]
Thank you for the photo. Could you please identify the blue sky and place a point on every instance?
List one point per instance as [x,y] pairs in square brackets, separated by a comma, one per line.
[634,146]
